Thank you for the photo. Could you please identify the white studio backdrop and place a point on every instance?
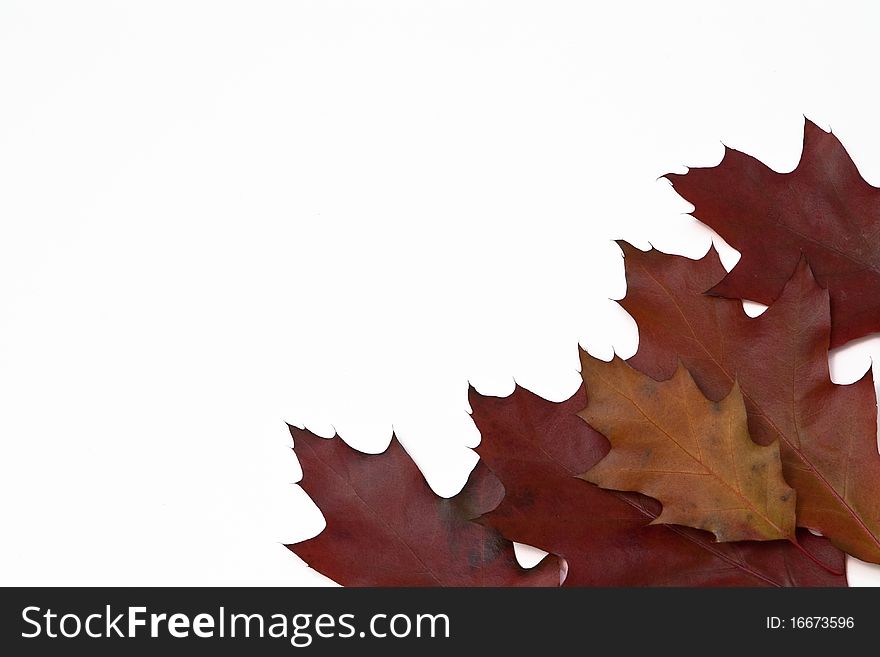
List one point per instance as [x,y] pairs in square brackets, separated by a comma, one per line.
[216,217]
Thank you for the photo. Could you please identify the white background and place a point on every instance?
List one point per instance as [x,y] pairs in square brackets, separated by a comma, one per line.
[216,217]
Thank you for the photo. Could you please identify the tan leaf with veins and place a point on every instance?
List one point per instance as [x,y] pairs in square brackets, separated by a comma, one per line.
[692,454]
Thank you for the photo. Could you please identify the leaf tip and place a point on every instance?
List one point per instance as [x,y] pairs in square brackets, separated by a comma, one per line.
[626,248]
[812,129]
[563,570]
[297,433]
[803,276]
[710,254]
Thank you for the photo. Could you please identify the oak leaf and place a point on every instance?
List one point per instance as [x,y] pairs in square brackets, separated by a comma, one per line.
[827,433]
[386,527]
[537,447]
[691,454]
[824,209]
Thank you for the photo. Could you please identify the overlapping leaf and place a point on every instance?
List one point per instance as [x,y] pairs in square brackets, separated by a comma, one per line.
[385,527]
[823,208]
[722,408]
[537,448]
[691,454]
[827,432]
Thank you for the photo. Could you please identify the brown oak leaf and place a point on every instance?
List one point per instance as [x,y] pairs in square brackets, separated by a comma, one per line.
[537,447]
[827,433]
[824,208]
[386,527]
[691,454]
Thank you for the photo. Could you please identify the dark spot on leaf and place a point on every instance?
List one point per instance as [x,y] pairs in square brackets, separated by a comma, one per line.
[523,499]
[649,389]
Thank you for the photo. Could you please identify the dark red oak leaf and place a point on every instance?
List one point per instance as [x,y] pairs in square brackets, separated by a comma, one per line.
[386,527]
[823,209]
[827,432]
[537,447]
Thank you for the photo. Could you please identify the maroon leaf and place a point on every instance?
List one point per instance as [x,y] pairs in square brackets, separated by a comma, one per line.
[385,527]
[823,208]
[536,448]
[827,433]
